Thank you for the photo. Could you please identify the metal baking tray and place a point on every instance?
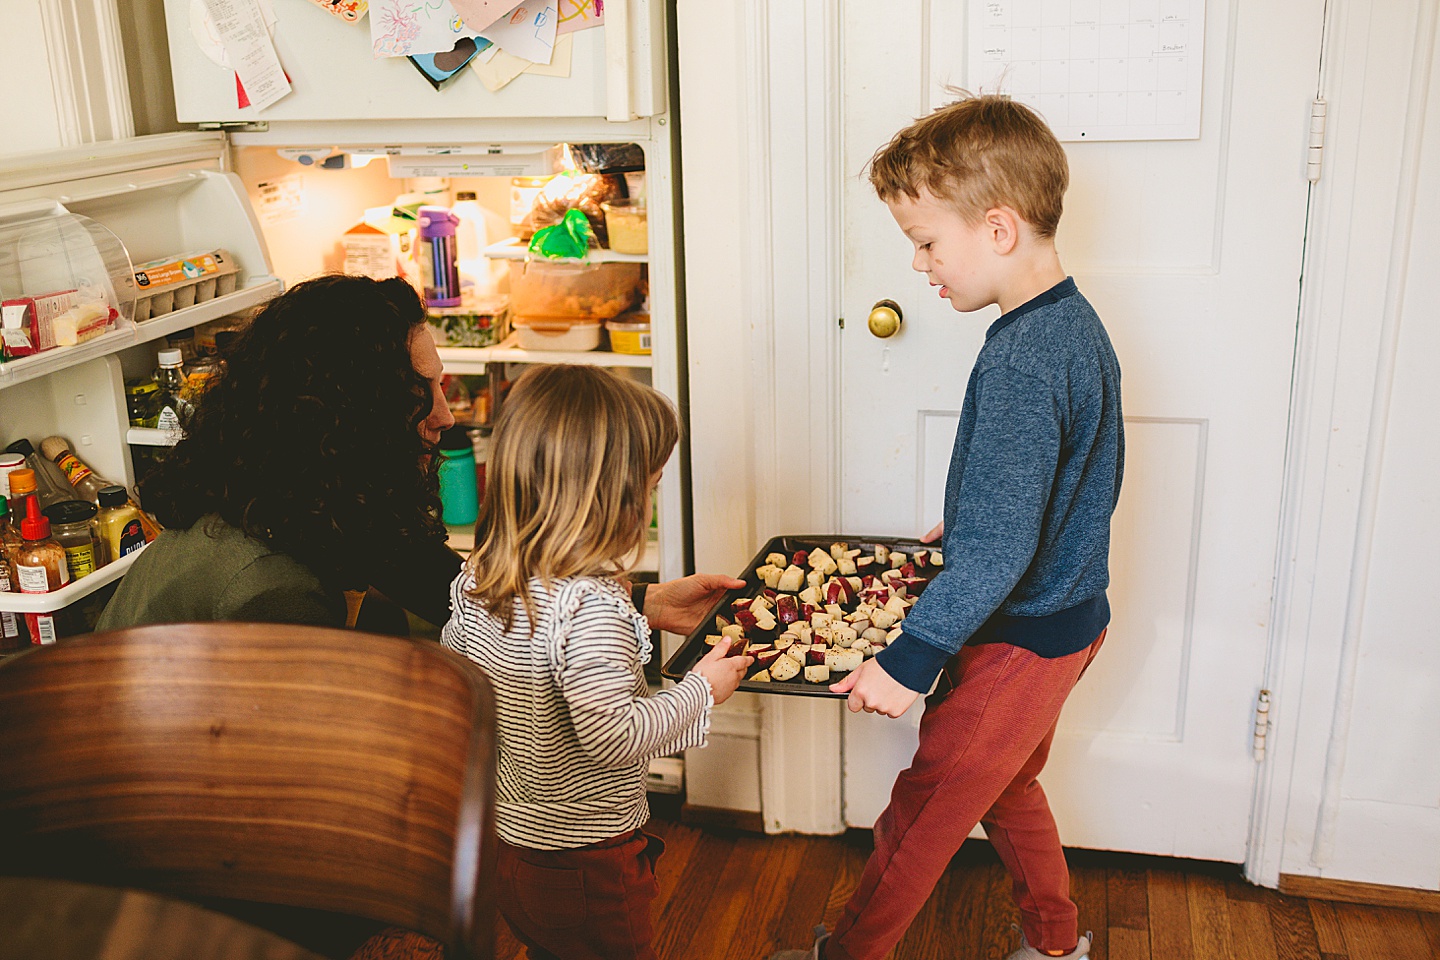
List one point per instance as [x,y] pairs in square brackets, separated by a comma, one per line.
[695,647]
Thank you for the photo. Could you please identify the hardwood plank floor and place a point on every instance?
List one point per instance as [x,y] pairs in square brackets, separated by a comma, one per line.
[726,895]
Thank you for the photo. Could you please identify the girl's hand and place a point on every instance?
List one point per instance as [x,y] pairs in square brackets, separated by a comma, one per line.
[724,673]
[935,533]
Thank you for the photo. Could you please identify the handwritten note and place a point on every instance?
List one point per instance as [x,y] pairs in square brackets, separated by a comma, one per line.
[1094,69]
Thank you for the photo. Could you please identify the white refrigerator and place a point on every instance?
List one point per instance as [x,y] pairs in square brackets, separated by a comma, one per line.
[278,188]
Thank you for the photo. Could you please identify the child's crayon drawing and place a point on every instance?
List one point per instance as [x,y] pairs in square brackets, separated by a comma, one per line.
[403,28]
[579,15]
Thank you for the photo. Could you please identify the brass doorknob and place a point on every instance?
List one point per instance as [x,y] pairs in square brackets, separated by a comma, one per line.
[885,319]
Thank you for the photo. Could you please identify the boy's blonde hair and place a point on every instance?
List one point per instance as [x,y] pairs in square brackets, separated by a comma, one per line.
[567,488]
[978,153]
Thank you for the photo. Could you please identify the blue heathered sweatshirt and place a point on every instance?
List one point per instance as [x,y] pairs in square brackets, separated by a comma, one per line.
[1033,480]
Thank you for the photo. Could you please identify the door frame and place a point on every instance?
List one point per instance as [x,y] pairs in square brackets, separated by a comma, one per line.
[1376,87]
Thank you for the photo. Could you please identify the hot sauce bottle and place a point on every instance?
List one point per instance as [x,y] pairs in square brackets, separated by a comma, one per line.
[40,567]
[12,632]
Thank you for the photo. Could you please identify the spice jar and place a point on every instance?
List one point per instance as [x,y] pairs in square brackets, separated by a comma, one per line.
[9,463]
[40,567]
[70,527]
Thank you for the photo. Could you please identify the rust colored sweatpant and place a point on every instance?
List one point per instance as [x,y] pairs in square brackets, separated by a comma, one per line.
[589,903]
[983,741]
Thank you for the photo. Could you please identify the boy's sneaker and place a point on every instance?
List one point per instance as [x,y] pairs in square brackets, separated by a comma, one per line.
[1027,952]
[812,954]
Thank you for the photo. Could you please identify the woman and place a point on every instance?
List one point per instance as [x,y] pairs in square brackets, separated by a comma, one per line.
[308,476]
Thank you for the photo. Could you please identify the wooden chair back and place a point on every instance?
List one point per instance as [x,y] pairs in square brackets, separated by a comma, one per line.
[306,767]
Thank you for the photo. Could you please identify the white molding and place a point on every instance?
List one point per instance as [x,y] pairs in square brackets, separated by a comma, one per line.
[1340,402]
[87,70]
[792,139]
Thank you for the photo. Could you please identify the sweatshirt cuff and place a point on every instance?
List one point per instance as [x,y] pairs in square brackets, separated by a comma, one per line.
[913,662]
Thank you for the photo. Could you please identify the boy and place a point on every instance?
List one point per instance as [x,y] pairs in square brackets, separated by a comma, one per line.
[1020,609]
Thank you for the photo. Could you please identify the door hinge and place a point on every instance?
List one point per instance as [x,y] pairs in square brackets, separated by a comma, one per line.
[1316,153]
[236,126]
[1262,724]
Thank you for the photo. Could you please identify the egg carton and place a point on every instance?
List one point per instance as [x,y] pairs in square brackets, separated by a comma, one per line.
[174,283]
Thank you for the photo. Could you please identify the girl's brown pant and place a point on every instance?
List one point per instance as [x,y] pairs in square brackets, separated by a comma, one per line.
[589,903]
[983,741]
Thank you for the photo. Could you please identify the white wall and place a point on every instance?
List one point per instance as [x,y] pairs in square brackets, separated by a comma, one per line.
[1353,791]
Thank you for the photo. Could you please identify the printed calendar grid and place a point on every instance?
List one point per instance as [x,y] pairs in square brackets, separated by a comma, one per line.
[1095,69]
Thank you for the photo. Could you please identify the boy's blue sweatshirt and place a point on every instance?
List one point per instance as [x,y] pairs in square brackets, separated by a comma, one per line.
[1033,480]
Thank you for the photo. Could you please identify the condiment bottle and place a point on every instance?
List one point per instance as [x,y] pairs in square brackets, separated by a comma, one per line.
[70,527]
[12,631]
[175,409]
[22,485]
[40,568]
[50,483]
[118,524]
[87,482]
[141,396]
[9,463]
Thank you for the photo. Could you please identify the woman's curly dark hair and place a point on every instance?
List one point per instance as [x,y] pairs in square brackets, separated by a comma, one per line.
[310,441]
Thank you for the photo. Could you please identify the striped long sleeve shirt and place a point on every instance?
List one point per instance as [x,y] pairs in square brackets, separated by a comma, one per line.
[576,727]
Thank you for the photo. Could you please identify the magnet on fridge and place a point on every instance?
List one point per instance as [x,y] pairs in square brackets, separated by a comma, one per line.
[348,10]
[439,67]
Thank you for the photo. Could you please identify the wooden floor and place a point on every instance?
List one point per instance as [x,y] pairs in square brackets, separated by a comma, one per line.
[725,895]
[734,896]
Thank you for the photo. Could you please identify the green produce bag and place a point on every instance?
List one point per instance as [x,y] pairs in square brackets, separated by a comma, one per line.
[567,240]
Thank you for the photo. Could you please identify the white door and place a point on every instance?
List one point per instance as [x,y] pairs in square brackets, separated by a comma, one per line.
[1191,252]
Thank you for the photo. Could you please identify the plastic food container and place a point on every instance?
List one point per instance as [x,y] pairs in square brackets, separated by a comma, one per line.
[627,225]
[557,333]
[573,289]
[630,333]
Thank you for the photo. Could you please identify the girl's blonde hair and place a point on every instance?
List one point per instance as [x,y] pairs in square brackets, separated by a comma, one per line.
[568,481]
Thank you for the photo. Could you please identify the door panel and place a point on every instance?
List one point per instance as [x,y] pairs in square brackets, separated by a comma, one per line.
[1191,253]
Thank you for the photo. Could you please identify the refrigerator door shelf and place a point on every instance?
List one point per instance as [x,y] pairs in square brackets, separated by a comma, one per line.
[68,594]
[61,358]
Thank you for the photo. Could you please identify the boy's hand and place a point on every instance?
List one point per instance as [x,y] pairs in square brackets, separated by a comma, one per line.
[679,605]
[724,672]
[935,533]
[873,690]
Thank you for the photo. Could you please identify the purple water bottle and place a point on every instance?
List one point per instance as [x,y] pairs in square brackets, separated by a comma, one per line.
[439,275]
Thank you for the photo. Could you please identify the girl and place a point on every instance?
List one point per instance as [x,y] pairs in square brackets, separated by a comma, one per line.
[576,454]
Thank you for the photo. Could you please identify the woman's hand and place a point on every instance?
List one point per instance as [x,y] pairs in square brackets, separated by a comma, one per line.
[678,606]
[935,533]
[723,672]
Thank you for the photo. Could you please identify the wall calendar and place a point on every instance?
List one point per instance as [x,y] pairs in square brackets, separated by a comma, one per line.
[1094,69]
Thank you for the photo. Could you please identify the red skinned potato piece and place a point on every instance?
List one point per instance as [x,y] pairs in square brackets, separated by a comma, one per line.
[787,609]
[800,557]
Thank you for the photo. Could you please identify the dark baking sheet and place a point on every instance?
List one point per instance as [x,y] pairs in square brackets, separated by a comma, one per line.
[695,647]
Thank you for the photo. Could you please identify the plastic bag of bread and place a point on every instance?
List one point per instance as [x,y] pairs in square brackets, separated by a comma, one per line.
[573,191]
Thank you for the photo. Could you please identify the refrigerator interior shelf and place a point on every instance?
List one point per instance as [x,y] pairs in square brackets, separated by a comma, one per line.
[462,540]
[473,359]
[151,437]
[128,334]
[68,594]
[514,248]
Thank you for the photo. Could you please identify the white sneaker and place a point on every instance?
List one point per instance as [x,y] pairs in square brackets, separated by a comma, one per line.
[1027,952]
[812,954]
